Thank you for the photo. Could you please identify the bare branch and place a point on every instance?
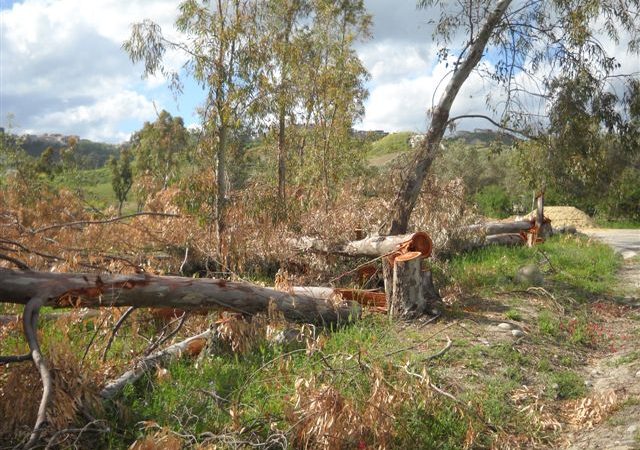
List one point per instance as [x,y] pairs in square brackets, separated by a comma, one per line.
[94,222]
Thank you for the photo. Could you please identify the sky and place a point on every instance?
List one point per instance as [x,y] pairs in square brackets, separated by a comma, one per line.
[62,69]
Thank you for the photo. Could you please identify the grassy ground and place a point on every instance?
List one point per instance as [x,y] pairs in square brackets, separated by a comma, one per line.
[618,224]
[384,150]
[375,383]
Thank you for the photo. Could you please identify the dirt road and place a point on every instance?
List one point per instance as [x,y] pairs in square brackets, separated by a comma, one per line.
[619,372]
[625,242]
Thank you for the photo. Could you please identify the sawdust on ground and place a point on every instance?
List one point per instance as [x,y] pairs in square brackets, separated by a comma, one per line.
[567,215]
[562,216]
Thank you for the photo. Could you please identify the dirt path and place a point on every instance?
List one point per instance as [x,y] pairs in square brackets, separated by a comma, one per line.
[617,373]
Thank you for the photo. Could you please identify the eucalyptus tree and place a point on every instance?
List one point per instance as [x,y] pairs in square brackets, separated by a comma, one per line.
[220,43]
[283,31]
[334,95]
[529,43]
[159,147]
[121,176]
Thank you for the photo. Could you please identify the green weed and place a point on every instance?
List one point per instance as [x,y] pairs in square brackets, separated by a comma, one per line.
[566,385]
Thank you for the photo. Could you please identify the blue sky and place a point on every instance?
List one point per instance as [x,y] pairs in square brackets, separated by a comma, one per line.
[62,69]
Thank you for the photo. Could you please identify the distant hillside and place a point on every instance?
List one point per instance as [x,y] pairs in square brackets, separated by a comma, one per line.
[386,149]
[89,154]
[483,137]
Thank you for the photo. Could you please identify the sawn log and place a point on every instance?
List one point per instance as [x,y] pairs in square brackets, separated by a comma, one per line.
[61,290]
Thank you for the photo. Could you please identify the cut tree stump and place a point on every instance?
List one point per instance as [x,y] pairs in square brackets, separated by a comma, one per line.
[412,291]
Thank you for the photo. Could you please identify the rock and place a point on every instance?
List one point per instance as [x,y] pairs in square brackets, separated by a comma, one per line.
[287,337]
[638,374]
[530,275]
[505,326]
[517,333]
[632,429]
[588,383]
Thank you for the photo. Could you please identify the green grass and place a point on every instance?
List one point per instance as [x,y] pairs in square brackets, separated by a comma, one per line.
[94,184]
[548,324]
[566,385]
[391,143]
[513,314]
[568,262]
[618,223]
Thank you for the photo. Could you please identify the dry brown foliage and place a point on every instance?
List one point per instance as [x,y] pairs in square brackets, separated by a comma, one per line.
[593,409]
[74,392]
[325,419]
[161,439]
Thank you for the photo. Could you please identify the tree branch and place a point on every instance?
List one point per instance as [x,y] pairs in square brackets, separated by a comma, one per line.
[94,222]
[30,323]
[502,127]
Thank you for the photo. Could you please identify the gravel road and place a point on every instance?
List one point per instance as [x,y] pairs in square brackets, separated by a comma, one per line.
[625,242]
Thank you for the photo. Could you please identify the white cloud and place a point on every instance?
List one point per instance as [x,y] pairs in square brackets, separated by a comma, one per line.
[101,119]
[62,68]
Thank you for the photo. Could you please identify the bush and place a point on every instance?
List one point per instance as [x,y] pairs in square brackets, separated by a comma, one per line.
[494,201]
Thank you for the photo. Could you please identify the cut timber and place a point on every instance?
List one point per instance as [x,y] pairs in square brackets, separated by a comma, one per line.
[366,297]
[371,246]
[146,291]
[491,228]
[412,293]
[506,239]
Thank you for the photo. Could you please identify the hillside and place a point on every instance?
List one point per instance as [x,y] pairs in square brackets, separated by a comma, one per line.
[89,154]
[387,148]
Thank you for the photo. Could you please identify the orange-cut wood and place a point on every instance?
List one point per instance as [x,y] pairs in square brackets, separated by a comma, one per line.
[409,256]
[364,297]
[419,242]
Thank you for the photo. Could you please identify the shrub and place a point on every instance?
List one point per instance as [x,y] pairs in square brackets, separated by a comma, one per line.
[493,201]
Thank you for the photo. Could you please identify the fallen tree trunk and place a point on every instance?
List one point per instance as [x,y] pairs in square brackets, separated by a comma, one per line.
[146,291]
[490,228]
[371,246]
[505,239]
[38,289]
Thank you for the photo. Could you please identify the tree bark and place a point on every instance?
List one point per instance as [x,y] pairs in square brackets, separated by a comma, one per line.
[155,359]
[412,293]
[412,185]
[505,239]
[282,157]
[372,246]
[490,228]
[142,290]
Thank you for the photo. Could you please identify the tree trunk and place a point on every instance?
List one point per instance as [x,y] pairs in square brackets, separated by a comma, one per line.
[412,293]
[282,158]
[544,225]
[371,246]
[412,184]
[221,171]
[142,290]
[158,358]
[490,228]
[505,239]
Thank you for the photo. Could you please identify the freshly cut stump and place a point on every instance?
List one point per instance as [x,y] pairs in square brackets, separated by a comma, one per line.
[412,292]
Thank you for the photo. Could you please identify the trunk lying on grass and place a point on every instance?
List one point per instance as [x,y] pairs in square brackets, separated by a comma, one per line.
[191,346]
[490,228]
[146,291]
[38,289]
[506,239]
[371,246]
